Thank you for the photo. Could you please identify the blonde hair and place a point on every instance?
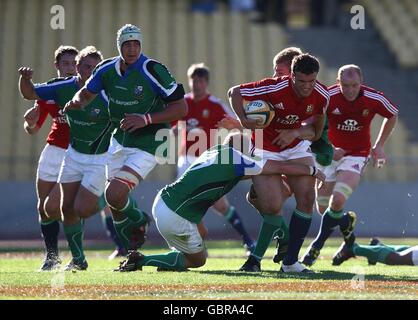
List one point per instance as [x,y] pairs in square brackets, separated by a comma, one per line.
[89,51]
[286,56]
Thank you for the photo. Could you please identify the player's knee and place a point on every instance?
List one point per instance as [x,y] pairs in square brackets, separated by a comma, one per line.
[270,207]
[52,208]
[84,210]
[337,202]
[198,262]
[306,202]
[115,195]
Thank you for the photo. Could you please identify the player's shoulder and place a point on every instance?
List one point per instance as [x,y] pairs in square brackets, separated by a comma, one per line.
[45,103]
[371,91]
[334,90]
[215,100]
[106,64]
[322,90]
[271,84]
[61,80]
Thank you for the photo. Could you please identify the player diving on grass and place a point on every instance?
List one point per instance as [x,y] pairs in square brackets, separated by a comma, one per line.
[179,207]
[82,176]
[377,251]
[143,99]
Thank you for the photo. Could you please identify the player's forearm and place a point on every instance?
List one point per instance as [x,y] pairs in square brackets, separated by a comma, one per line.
[83,97]
[293,169]
[236,101]
[306,132]
[388,125]
[175,110]
[27,89]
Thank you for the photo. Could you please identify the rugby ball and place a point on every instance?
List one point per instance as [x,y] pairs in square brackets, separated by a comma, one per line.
[260,110]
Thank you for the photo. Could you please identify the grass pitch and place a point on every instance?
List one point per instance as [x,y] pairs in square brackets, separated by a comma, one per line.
[218,279]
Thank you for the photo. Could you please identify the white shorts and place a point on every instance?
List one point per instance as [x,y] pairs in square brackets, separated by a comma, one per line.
[301,150]
[138,160]
[178,232]
[90,169]
[49,163]
[183,163]
[348,163]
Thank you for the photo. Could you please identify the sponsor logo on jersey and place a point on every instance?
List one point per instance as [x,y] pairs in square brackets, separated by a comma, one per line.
[205,113]
[289,119]
[365,112]
[94,113]
[138,91]
[336,111]
[349,125]
[122,88]
[309,108]
[279,106]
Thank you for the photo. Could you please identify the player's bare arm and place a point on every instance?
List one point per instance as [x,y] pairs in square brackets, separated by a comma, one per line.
[82,98]
[26,87]
[237,103]
[175,110]
[378,152]
[31,117]
[292,169]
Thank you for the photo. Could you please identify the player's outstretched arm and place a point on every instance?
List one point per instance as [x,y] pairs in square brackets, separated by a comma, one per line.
[26,87]
[293,169]
[82,98]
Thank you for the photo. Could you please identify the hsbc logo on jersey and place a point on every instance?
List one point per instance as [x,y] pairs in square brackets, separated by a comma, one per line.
[289,119]
[349,125]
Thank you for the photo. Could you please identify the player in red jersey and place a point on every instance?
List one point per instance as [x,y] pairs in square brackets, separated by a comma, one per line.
[295,98]
[350,113]
[51,157]
[199,132]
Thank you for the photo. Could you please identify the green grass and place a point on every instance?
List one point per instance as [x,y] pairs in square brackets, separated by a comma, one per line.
[218,279]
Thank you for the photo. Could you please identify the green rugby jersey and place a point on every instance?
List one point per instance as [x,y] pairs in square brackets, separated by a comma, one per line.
[210,177]
[146,86]
[90,128]
[322,148]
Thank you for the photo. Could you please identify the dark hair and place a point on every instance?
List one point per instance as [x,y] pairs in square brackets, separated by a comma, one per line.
[286,56]
[305,63]
[64,50]
[198,69]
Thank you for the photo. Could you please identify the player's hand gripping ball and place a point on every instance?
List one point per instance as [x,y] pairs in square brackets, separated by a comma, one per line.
[260,110]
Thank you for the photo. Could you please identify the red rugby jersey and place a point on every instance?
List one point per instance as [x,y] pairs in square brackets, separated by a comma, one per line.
[349,122]
[290,110]
[204,114]
[59,135]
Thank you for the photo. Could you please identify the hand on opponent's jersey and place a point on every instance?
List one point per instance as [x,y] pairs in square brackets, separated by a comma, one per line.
[132,122]
[285,137]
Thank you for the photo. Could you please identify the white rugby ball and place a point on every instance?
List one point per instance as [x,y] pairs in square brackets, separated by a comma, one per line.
[260,110]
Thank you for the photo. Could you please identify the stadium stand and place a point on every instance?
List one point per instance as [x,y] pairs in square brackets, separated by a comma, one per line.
[235,49]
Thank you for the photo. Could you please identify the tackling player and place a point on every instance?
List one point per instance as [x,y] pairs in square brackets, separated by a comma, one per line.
[180,206]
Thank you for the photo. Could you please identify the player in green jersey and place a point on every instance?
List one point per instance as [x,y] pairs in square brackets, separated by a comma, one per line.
[83,173]
[180,206]
[143,99]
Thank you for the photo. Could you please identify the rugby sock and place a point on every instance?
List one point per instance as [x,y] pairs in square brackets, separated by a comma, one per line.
[123,230]
[271,225]
[173,260]
[74,235]
[330,219]
[298,228]
[111,231]
[374,253]
[235,220]
[50,230]
[133,213]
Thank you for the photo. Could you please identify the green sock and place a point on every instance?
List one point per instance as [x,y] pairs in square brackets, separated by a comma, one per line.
[271,224]
[101,202]
[375,253]
[74,235]
[124,230]
[283,233]
[132,212]
[173,260]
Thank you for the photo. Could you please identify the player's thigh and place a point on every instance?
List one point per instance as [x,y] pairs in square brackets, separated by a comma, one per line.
[269,193]
[53,202]
[86,203]
[222,205]
[303,186]
[69,192]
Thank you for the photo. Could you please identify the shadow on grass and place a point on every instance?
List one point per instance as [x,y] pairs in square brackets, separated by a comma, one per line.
[318,275]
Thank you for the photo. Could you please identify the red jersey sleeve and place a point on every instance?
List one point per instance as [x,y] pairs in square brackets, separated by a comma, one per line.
[381,105]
